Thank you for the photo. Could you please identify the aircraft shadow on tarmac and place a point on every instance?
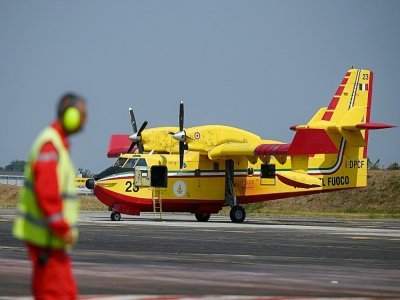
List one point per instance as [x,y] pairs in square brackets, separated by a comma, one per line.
[221,220]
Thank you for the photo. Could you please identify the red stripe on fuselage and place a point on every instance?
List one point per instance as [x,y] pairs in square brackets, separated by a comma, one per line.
[193,205]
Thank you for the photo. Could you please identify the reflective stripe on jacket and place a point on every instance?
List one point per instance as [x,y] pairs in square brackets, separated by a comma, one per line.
[31,225]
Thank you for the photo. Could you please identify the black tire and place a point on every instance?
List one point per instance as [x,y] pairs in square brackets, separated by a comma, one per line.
[115,216]
[202,217]
[89,184]
[237,214]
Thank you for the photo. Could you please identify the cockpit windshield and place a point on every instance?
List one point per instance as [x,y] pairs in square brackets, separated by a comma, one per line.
[135,162]
[120,162]
[130,163]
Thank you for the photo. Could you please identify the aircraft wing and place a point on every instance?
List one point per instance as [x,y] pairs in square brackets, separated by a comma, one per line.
[231,149]
[119,143]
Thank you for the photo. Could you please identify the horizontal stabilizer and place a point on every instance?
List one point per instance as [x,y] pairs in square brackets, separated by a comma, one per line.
[119,143]
[373,126]
[299,180]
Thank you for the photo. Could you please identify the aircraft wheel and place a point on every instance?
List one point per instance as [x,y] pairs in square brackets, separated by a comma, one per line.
[89,184]
[115,216]
[202,217]
[237,214]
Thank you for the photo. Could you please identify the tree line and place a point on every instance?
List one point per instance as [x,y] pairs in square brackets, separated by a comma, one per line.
[377,166]
[19,166]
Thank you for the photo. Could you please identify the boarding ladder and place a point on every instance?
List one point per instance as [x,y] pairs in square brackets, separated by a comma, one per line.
[157,202]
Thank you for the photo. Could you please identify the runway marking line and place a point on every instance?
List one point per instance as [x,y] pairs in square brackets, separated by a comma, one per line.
[361,238]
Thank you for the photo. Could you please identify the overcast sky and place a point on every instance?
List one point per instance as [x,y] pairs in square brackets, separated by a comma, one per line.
[258,65]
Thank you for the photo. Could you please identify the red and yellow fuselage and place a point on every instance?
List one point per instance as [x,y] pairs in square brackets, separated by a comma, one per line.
[328,153]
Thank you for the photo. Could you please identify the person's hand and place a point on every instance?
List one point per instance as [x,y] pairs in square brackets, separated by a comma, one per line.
[69,238]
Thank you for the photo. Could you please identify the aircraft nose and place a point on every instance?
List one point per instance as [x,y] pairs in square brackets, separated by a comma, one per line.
[89,184]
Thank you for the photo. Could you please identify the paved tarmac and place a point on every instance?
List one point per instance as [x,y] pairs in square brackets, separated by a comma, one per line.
[262,257]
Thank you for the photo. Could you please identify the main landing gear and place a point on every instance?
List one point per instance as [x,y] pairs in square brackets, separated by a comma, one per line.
[115,216]
[237,213]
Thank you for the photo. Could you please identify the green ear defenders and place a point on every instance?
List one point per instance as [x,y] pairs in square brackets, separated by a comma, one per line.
[71,119]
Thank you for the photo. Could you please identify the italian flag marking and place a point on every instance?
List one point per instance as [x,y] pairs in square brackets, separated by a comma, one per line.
[363,86]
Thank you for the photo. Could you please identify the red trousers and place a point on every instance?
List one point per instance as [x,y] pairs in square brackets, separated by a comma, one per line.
[52,279]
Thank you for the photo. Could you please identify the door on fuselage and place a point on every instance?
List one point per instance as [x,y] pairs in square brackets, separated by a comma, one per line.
[267,174]
[142,173]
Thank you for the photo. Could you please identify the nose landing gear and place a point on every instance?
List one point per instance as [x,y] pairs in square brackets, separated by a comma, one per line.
[202,217]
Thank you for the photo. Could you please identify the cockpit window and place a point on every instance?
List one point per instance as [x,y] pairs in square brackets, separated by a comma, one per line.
[135,162]
[130,163]
[120,162]
[141,163]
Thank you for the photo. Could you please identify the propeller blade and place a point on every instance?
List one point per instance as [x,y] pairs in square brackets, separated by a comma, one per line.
[181,116]
[181,154]
[133,120]
[136,137]
[140,144]
[140,147]
[142,128]
[131,147]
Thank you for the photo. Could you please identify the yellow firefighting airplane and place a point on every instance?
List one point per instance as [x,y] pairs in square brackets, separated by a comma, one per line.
[204,168]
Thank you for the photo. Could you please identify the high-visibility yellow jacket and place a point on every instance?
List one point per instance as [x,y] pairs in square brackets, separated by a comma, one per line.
[31,225]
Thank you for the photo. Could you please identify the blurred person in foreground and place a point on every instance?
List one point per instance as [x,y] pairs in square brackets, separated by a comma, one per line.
[48,205]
